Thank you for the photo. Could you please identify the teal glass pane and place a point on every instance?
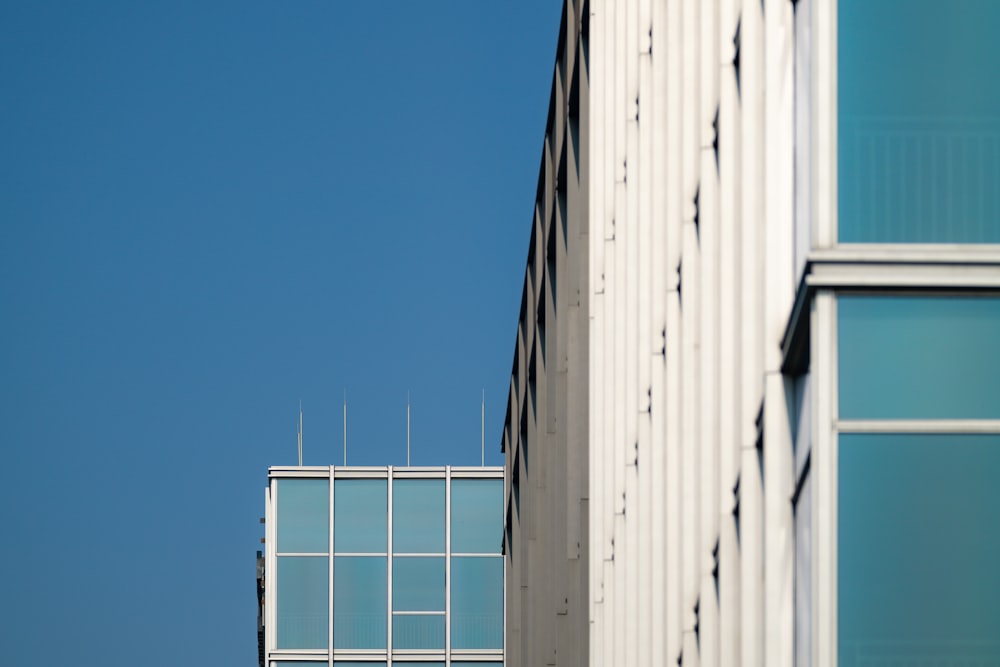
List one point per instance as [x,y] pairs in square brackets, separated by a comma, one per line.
[919,357]
[303,602]
[476,516]
[418,584]
[918,121]
[359,663]
[303,516]
[304,663]
[418,509]
[476,603]
[360,516]
[418,632]
[918,538]
[360,589]
[476,664]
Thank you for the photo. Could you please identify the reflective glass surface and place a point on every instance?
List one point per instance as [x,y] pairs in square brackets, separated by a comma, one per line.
[418,584]
[918,538]
[476,515]
[418,632]
[303,515]
[919,357]
[476,602]
[303,601]
[918,121]
[418,514]
[360,589]
[360,515]
[476,664]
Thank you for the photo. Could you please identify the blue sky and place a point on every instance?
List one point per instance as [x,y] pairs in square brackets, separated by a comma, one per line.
[209,211]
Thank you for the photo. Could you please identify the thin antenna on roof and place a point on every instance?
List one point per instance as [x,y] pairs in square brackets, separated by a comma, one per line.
[300,432]
[483,433]
[345,426]
[407,429]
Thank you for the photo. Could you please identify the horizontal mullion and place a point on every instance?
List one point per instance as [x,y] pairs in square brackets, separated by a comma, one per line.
[417,613]
[418,555]
[318,554]
[361,553]
[956,426]
[463,554]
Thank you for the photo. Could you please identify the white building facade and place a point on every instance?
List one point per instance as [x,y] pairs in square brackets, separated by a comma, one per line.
[754,413]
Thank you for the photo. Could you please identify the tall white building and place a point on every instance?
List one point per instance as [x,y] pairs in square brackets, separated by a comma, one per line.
[754,414]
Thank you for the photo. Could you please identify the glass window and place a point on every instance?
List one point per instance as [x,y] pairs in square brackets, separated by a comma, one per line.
[918,539]
[476,664]
[421,631]
[360,513]
[303,601]
[476,602]
[476,515]
[918,121]
[360,587]
[303,516]
[418,509]
[359,663]
[418,584]
[919,357]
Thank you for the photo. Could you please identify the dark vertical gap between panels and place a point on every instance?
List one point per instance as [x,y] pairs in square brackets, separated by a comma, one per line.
[680,284]
[759,444]
[715,570]
[531,244]
[736,56]
[697,624]
[561,180]
[524,426]
[697,214]
[715,139]
[540,323]
[532,374]
[584,69]
[736,510]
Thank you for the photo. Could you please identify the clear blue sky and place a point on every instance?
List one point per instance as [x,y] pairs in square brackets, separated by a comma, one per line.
[208,211]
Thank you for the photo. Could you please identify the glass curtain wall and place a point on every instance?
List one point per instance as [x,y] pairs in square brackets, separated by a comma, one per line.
[919,458]
[918,121]
[403,581]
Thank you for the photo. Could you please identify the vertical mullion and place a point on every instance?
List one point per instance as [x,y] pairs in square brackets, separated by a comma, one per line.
[271,571]
[447,566]
[329,555]
[388,566]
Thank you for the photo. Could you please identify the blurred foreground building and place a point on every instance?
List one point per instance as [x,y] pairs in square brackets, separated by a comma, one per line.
[368,567]
[753,414]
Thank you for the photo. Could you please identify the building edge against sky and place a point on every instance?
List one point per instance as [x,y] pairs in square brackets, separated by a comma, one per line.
[388,565]
[752,416]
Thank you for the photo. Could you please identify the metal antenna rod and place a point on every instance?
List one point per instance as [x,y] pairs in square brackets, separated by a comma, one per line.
[483,434]
[345,426]
[407,429]
[300,432]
